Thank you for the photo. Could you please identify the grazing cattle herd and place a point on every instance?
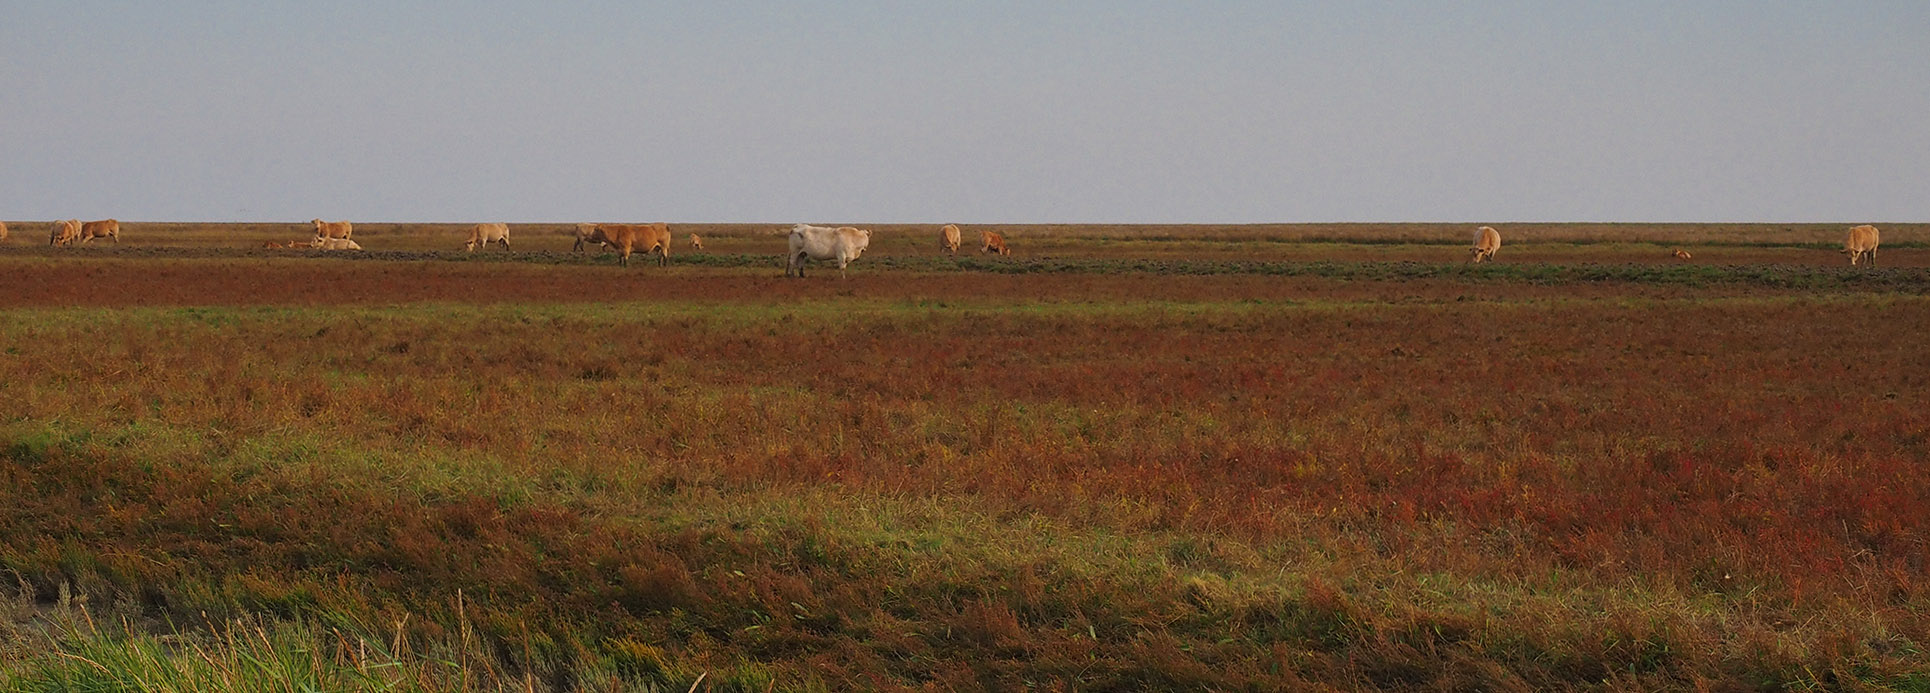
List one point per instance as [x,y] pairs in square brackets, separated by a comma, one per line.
[806,243]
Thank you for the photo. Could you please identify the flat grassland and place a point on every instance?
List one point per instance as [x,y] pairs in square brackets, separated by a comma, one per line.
[1129,458]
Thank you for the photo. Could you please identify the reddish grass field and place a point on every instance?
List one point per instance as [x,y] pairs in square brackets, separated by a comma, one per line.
[534,474]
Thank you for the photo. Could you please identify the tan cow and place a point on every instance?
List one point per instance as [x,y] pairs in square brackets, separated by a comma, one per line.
[3,230]
[337,244]
[271,245]
[696,243]
[948,239]
[332,229]
[994,243]
[105,228]
[296,245]
[1486,241]
[1861,244]
[64,232]
[585,232]
[627,237]
[481,235]
[1681,254]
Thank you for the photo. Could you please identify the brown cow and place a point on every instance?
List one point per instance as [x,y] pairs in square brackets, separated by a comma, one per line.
[1681,254]
[994,243]
[3,230]
[948,238]
[64,232]
[480,235]
[332,229]
[1486,241]
[626,237]
[1861,244]
[271,245]
[696,243]
[105,228]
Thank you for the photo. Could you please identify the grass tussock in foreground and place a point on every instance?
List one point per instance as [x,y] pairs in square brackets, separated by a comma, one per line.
[846,493]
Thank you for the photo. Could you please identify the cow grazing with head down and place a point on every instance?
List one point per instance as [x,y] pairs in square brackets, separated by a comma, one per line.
[1486,241]
[1861,244]
[481,235]
[64,232]
[841,245]
[332,229]
[994,243]
[1681,254]
[649,238]
[105,228]
[948,238]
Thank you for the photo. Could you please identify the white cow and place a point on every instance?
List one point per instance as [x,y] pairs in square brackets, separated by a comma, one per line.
[337,244]
[842,244]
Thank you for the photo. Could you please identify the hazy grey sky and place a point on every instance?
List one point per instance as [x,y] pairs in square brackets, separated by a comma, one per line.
[1025,111]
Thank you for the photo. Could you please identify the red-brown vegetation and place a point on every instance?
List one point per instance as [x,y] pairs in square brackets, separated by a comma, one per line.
[962,480]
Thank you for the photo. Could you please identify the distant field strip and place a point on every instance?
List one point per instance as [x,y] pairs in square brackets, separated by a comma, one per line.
[1833,277]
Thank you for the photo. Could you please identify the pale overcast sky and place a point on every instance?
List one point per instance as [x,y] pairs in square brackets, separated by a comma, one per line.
[1024,111]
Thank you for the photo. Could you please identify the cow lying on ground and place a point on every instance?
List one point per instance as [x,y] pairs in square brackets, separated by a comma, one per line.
[481,235]
[64,232]
[1861,244]
[842,245]
[1681,254]
[337,244]
[627,237]
[1486,241]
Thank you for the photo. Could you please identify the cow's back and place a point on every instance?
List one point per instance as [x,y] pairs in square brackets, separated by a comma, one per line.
[1486,238]
[1862,238]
